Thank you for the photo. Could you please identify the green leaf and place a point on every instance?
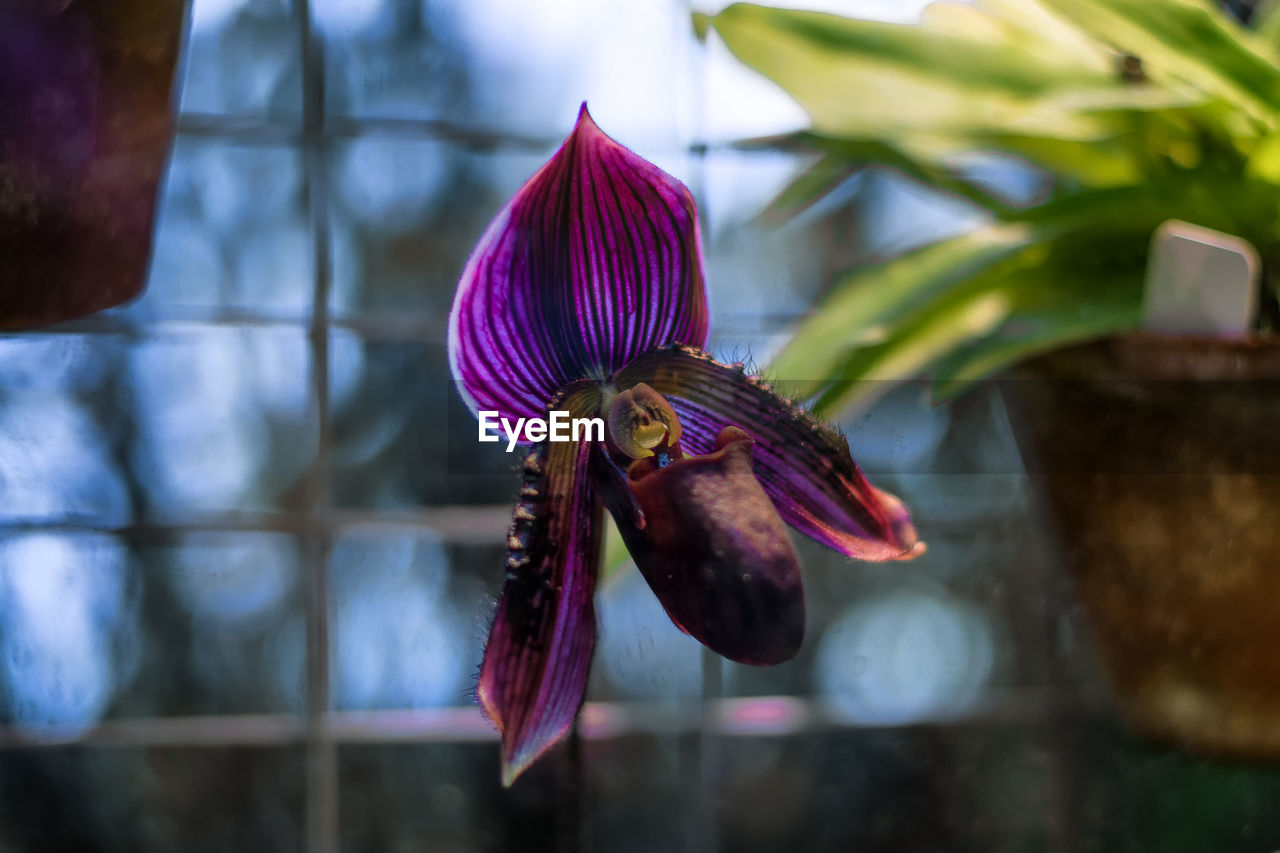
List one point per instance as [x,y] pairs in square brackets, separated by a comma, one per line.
[866,305]
[993,321]
[1091,164]
[962,308]
[701,23]
[809,187]
[957,318]
[912,98]
[1266,21]
[1189,41]
[1264,160]
[865,78]
[929,171]
[1027,332]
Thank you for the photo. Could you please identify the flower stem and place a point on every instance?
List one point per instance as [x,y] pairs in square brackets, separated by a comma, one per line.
[571,811]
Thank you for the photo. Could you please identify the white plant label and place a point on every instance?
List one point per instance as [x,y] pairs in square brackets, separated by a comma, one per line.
[1200,282]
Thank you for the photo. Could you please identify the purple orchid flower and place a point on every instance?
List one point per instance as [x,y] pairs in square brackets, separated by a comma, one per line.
[586,295]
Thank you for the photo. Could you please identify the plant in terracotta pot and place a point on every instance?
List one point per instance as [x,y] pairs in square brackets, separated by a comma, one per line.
[86,122]
[1157,451]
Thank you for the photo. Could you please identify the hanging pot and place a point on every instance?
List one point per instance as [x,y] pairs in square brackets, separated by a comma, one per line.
[1160,460]
[86,123]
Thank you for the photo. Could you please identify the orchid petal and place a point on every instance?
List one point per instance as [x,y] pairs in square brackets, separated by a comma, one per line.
[595,260]
[711,545]
[805,466]
[534,674]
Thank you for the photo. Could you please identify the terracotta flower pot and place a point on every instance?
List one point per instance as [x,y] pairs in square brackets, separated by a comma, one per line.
[1160,459]
[86,122]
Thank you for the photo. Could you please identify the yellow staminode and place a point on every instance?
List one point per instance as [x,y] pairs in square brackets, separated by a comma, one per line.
[640,419]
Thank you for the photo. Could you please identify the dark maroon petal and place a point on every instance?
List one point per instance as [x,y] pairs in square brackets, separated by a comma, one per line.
[595,260]
[534,673]
[712,547]
[804,465]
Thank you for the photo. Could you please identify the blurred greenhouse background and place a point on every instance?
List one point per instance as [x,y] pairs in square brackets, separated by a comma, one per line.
[250,549]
